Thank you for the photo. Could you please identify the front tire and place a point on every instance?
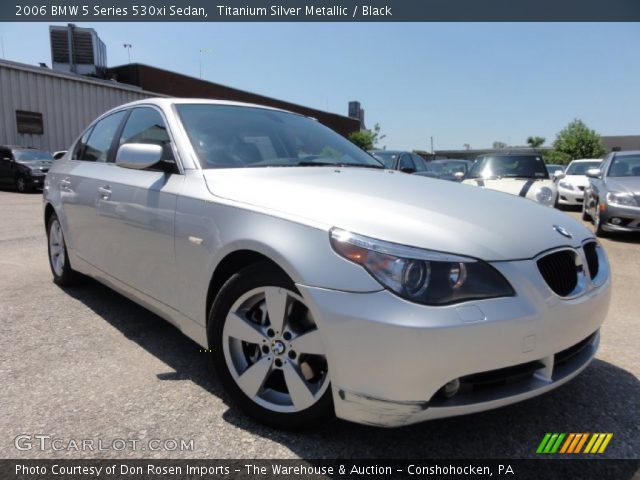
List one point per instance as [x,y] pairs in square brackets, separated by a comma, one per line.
[585,215]
[267,350]
[21,184]
[597,222]
[63,274]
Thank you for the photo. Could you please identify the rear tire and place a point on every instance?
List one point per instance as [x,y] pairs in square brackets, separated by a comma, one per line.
[269,372]
[63,274]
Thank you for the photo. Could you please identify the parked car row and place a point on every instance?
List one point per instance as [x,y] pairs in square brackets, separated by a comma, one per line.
[323,283]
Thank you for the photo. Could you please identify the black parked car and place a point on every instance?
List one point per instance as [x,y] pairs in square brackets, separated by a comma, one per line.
[23,168]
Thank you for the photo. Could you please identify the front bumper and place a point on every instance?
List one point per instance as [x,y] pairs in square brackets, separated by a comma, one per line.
[35,181]
[629,218]
[389,358]
[570,197]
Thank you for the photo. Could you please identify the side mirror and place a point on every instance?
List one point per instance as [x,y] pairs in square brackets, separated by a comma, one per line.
[459,176]
[558,175]
[138,156]
[408,170]
[594,173]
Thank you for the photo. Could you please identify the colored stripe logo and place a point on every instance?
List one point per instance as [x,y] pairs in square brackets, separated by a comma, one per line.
[574,443]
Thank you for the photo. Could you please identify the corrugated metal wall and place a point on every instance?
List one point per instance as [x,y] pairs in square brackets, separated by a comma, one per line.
[67,104]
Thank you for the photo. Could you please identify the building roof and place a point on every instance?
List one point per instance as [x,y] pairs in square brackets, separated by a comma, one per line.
[177,85]
[616,143]
[75,77]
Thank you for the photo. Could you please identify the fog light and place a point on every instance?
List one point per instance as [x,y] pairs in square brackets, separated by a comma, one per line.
[451,388]
[615,221]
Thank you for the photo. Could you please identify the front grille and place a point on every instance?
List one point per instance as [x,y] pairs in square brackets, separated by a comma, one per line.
[581,189]
[592,258]
[502,376]
[559,271]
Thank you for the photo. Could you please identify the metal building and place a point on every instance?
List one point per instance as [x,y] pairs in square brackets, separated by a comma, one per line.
[47,109]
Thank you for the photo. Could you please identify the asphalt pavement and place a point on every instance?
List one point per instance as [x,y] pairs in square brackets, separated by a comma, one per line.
[84,363]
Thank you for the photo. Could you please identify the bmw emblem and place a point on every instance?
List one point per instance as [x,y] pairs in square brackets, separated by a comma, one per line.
[562,231]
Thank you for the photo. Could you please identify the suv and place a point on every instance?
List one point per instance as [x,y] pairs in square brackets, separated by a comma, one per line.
[23,168]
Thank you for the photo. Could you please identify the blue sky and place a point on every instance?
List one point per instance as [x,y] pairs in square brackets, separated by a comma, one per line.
[462,83]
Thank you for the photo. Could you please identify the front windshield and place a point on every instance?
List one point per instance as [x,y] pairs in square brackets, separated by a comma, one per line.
[227,136]
[448,168]
[625,166]
[387,158]
[509,166]
[580,168]
[32,156]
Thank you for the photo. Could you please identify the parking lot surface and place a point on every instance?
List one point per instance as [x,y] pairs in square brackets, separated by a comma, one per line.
[85,363]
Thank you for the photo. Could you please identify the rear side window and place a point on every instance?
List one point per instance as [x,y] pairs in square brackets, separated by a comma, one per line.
[96,147]
[146,125]
[406,162]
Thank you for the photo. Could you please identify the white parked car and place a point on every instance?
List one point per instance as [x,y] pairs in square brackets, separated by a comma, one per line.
[571,187]
[323,283]
[517,174]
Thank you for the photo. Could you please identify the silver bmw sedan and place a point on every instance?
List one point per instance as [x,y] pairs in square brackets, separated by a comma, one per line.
[322,283]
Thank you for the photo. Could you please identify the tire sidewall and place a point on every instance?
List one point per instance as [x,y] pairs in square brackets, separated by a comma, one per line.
[68,274]
[259,275]
[20,180]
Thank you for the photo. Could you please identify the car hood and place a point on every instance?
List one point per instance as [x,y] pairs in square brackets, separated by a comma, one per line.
[624,184]
[401,208]
[37,164]
[511,185]
[577,180]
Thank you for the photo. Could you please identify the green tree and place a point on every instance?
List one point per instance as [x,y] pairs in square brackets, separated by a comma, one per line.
[576,140]
[535,142]
[367,139]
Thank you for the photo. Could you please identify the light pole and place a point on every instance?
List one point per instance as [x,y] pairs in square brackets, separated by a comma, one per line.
[202,50]
[128,46]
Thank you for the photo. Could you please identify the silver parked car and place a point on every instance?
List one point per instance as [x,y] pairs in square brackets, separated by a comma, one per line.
[612,197]
[323,283]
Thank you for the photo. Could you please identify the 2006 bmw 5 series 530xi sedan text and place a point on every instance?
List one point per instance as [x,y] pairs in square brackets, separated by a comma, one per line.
[324,284]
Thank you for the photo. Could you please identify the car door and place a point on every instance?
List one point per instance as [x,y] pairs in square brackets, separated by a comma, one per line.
[77,181]
[135,212]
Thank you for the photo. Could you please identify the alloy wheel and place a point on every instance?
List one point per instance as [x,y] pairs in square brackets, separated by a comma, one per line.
[57,255]
[274,351]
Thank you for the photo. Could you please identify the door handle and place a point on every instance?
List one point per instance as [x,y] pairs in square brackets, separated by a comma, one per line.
[105,192]
[65,184]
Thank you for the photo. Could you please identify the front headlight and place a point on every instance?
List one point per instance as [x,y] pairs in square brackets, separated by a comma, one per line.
[421,276]
[544,196]
[621,198]
[566,185]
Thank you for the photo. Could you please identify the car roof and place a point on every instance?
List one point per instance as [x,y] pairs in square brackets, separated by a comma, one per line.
[167,102]
[393,152]
[582,160]
[627,153]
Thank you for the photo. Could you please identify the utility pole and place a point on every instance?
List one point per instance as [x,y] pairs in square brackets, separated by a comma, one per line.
[128,46]
[432,145]
[2,45]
